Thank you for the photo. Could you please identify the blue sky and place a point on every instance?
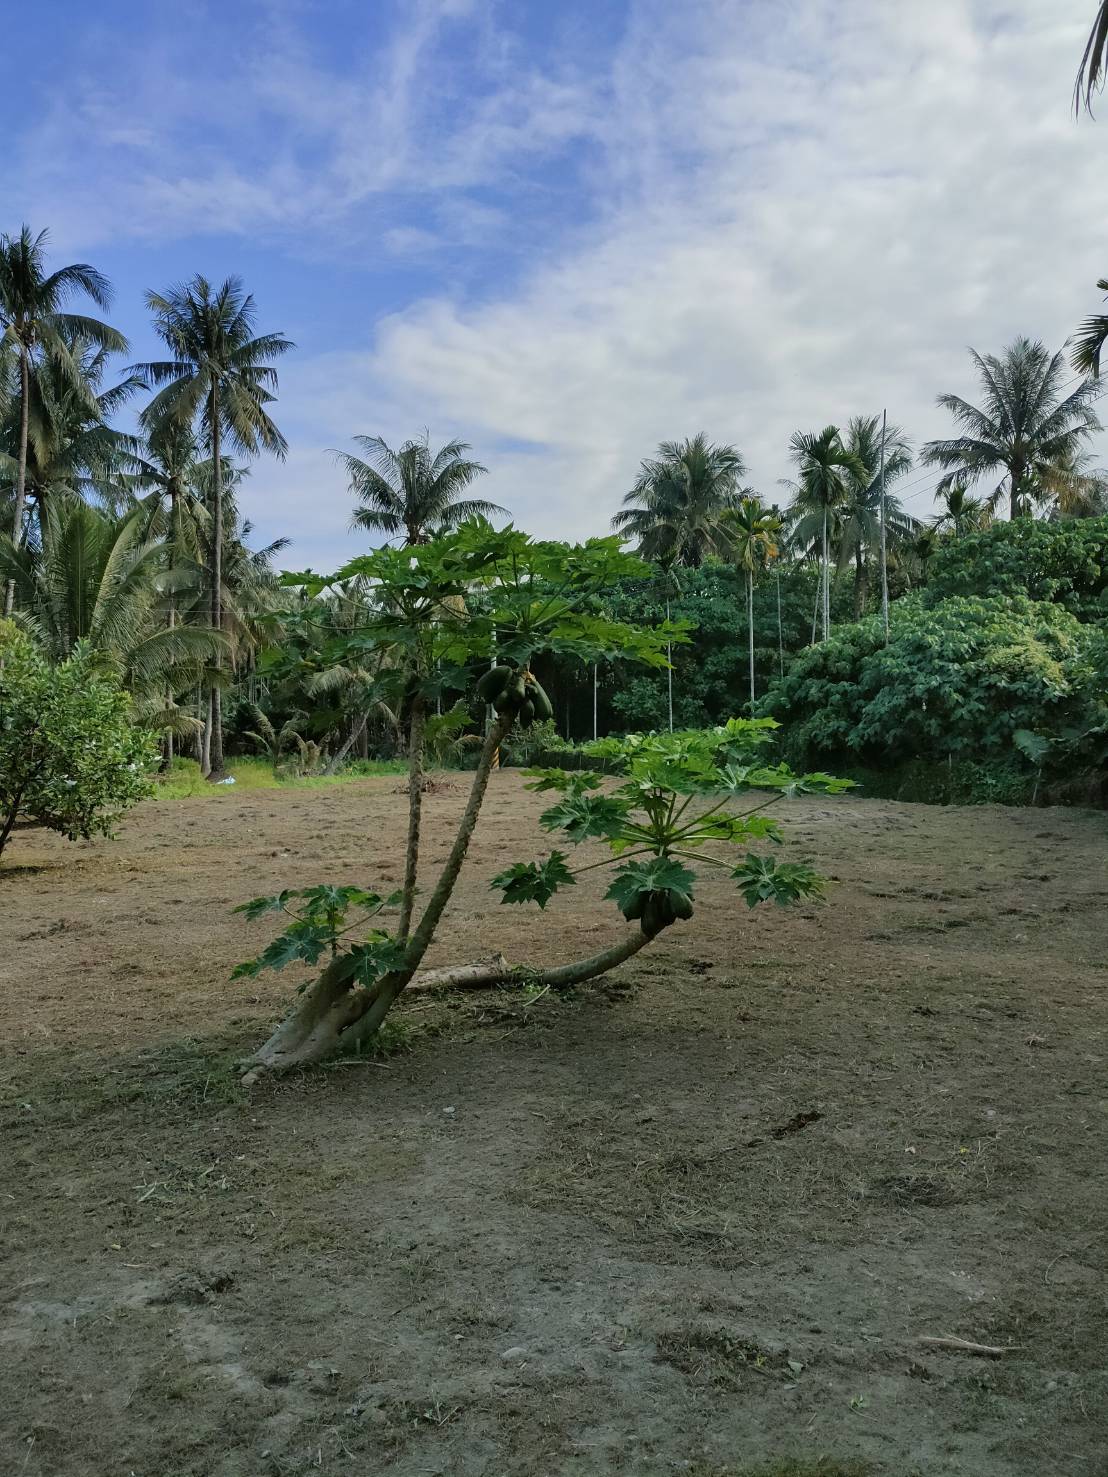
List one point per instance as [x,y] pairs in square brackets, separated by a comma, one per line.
[568,231]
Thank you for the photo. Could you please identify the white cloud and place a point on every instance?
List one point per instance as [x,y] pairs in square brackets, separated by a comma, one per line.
[810,218]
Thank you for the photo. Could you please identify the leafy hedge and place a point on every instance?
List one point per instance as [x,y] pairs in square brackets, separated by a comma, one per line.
[957,680]
[1065,563]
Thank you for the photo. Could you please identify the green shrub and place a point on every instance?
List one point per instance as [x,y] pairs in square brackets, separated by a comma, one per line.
[1064,563]
[70,759]
[957,680]
[966,782]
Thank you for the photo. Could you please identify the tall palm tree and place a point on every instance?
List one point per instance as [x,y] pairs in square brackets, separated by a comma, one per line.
[219,377]
[97,578]
[1094,63]
[751,532]
[1026,431]
[72,449]
[411,493]
[32,318]
[960,513]
[825,467]
[1089,341]
[679,497]
[170,469]
[860,524]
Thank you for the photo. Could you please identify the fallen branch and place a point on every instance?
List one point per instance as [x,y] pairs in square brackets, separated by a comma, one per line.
[494,971]
[966,1346]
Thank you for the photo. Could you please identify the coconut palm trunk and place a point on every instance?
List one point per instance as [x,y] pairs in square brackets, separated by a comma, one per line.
[826,582]
[861,583]
[21,467]
[171,615]
[215,756]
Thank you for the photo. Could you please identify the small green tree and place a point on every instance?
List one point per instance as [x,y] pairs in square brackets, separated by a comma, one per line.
[69,756]
[447,605]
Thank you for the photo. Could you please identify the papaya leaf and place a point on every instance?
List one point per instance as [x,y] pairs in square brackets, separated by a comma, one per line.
[634,880]
[582,816]
[574,782]
[257,907]
[303,943]
[761,880]
[534,882]
[373,957]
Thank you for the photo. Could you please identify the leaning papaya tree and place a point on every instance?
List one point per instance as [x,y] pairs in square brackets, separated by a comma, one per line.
[446,610]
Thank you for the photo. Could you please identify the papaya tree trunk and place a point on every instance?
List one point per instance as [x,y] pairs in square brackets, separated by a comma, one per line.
[330,1008]
[415,813]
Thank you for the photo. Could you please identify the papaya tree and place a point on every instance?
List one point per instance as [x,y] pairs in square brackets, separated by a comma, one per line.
[446,609]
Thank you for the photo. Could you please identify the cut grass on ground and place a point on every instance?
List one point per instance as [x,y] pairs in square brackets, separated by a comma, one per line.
[185,780]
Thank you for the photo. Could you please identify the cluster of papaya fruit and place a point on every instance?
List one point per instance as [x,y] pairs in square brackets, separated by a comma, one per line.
[514,690]
[657,910]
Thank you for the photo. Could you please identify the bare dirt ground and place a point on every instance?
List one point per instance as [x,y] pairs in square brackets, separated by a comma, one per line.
[693,1221]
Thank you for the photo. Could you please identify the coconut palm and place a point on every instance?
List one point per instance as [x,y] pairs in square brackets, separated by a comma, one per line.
[959,513]
[859,530]
[751,533]
[411,494]
[72,449]
[674,509]
[97,578]
[174,479]
[32,318]
[219,378]
[1089,341]
[1027,431]
[1074,489]
[826,469]
[1094,62]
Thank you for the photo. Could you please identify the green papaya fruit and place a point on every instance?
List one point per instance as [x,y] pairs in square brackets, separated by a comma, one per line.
[543,707]
[652,919]
[634,908]
[516,690]
[493,683]
[682,905]
[526,715]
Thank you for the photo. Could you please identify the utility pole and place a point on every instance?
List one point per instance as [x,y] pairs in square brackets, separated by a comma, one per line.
[669,670]
[884,561]
[780,632]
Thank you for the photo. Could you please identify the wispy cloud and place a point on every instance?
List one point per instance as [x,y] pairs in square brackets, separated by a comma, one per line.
[808,218]
[278,138]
